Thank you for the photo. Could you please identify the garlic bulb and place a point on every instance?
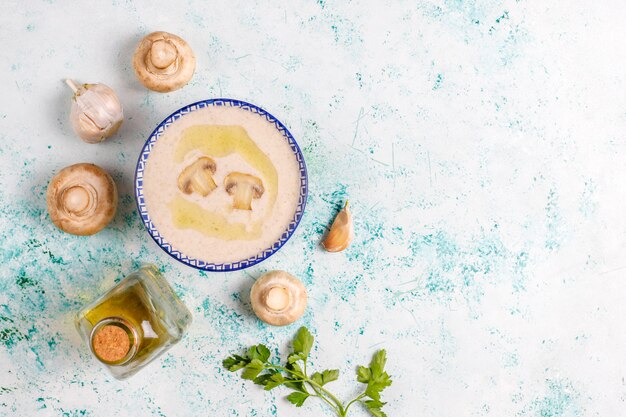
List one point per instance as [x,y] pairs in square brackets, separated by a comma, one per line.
[96,111]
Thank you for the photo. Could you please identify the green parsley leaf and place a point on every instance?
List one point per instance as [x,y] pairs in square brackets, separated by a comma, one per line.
[374,404]
[303,342]
[297,398]
[296,368]
[363,374]
[375,376]
[375,386]
[264,378]
[325,377]
[330,375]
[377,365]
[317,378]
[252,370]
[275,380]
[296,386]
[260,352]
[295,357]
[235,362]
[374,407]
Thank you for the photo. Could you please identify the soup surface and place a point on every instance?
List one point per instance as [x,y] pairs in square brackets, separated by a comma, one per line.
[221,184]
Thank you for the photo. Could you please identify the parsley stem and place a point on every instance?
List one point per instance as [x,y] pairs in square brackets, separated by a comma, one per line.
[323,397]
[317,391]
[353,401]
[337,406]
[333,406]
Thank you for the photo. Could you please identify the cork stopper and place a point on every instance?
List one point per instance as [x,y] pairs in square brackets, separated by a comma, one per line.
[111,343]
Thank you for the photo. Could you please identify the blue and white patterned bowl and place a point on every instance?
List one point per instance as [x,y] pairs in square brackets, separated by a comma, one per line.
[145,215]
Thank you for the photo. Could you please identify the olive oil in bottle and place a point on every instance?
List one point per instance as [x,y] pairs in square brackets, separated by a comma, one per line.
[135,322]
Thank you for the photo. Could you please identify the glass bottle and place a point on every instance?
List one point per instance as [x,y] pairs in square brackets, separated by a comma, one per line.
[134,322]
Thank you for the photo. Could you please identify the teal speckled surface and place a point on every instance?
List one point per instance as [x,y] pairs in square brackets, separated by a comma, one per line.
[482,145]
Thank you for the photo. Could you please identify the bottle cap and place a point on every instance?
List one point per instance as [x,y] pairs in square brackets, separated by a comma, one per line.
[113,341]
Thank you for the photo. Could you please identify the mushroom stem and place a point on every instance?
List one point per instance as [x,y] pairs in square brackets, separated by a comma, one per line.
[72,85]
[243,197]
[277,298]
[244,188]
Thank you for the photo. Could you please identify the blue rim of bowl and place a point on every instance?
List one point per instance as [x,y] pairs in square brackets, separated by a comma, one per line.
[196,263]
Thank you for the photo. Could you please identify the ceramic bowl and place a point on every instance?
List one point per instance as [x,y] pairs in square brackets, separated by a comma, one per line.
[162,241]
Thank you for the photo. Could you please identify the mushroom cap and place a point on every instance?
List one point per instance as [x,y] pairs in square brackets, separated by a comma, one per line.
[163,62]
[81,199]
[278,298]
[234,178]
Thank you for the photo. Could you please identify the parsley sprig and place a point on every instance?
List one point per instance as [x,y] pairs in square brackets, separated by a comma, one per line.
[294,375]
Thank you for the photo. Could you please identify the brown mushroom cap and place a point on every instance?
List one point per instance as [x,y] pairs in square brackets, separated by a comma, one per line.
[163,62]
[278,298]
[81,199]
[244,187]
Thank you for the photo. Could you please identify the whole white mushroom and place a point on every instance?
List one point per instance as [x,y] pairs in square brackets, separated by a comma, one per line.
[164,62]
[278,298]
[82,199]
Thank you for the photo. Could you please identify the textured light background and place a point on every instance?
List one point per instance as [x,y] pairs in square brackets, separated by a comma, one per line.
[482,145]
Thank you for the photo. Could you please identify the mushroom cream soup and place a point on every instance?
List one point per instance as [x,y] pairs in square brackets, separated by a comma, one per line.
[221,184]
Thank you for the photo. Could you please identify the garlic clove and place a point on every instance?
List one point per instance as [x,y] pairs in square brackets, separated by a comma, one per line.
[96,111]
[341,232]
